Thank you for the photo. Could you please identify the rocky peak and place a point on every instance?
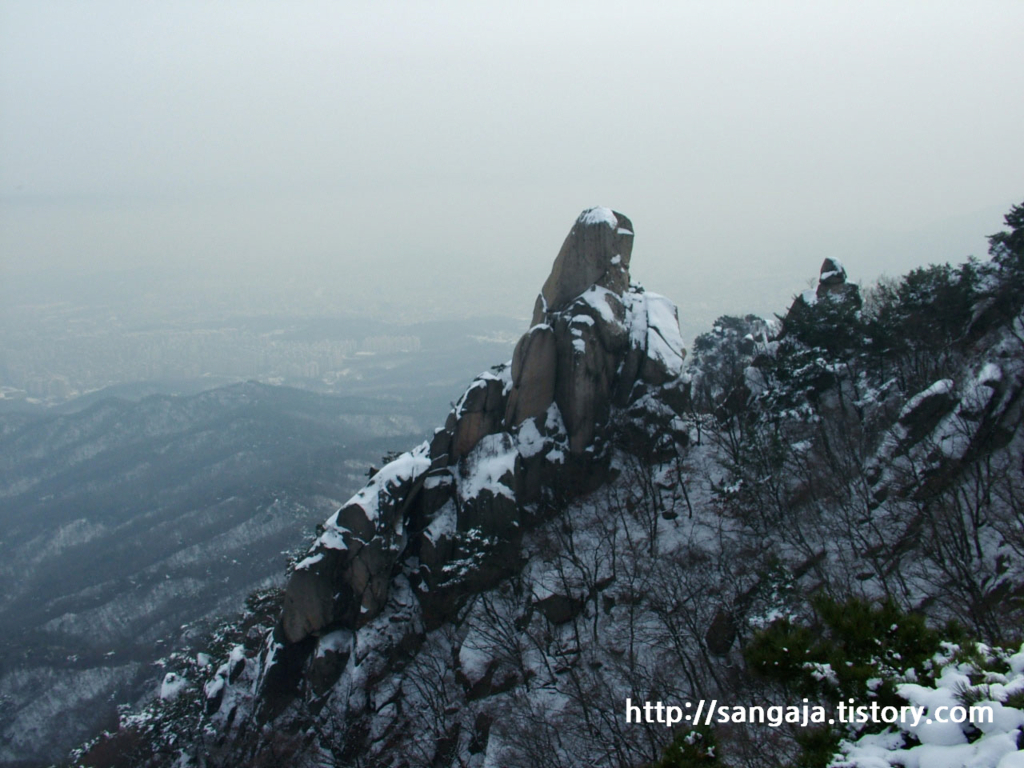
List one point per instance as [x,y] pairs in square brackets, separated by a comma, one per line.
[445,520]
[832,272]
[595,252]
[832,279]
[832,289]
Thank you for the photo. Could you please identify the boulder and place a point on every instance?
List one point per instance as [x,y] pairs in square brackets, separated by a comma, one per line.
[924,410]
[832,282]
[559,609]
[663,361]
[329,661]
[533,376]
[479,412]
[345,577]
[440,448]
[832,272]
[583,382]
[309,599]
[488,508]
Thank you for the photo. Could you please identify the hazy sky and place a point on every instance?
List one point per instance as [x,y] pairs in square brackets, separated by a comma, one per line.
[448,146]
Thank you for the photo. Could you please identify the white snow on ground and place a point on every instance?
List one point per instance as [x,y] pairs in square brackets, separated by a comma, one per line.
[636,316]
[473,660]
[444,522]
[553,420]
[598,298]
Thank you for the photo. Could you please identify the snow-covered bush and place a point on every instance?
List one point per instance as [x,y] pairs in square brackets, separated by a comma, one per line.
[981,679]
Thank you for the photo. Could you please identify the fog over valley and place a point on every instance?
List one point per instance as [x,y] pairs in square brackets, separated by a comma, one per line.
[333,433]
[419,163]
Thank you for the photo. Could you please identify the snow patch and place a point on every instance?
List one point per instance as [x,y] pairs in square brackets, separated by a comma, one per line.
[598,298]
[492,458]
[443,524]
[310,561]
[473,660]
[839,270]
[940,387]
[407,467]
[339,641]
[531,441]
[172,686]
[598,215]
[662,317]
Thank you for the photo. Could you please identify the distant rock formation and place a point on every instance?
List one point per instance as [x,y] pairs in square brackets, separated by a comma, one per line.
[450,514]
[832,279]
[832,290]
[944,428]
[831,284]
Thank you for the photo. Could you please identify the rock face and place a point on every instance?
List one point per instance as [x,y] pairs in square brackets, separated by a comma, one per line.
[832,286]
[533,376]
[941,429]
[448,516]
[596,252]
[831,305]
[833,275]
[344,581]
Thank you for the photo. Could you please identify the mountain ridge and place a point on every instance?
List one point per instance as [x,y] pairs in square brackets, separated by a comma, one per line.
[493,596]
[129,519]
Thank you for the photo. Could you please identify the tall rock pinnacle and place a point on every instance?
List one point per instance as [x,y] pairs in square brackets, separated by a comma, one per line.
[448,516]
[596,252]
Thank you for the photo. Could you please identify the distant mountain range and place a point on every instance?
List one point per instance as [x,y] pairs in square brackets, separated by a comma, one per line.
[128,523]
[822,506]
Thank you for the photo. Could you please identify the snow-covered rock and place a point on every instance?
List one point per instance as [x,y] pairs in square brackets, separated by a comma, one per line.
[455,504]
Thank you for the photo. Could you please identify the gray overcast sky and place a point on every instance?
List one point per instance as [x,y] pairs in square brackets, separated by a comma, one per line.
[448,146]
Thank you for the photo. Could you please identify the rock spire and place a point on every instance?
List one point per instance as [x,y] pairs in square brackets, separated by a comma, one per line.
[445,520]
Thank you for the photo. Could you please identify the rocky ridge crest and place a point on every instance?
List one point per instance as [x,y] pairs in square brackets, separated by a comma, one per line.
[848,443]
[449,515]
